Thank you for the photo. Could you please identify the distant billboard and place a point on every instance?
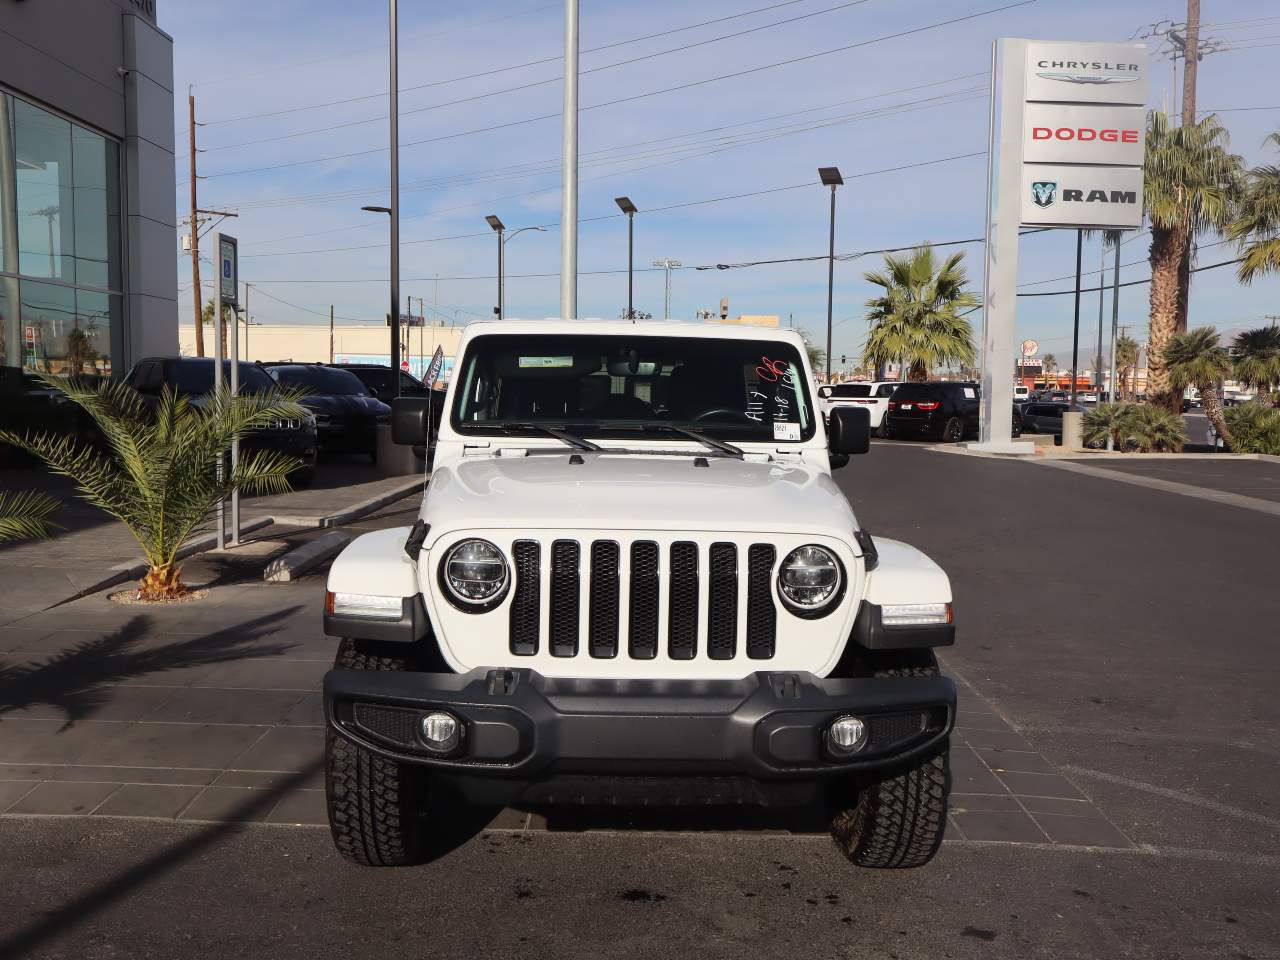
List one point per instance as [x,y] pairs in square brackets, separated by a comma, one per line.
[416,365]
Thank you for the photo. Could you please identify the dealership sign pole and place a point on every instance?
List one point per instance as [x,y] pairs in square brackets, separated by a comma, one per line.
[1068,151]
[227,294]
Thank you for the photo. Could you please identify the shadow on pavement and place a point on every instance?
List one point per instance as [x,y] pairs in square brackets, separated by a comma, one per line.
[85,908]
[718,819]
[73,680]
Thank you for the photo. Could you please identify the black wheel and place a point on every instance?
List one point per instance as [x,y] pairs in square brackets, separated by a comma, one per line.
[883,431]
[953,432]
[896,822]
[375,804]
[1016,430]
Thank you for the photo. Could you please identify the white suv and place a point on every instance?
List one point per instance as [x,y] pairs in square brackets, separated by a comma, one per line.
[633,580]
[873,396]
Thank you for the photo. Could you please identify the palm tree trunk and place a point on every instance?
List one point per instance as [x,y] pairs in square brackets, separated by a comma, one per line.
[1212,400]
[918,373]
[1184,285]
[1166,258]
[1264,395]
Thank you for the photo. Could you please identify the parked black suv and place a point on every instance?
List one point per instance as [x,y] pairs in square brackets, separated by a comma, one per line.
[347,414]
[377,378]
[1046,418]
[938,411]
[193,378]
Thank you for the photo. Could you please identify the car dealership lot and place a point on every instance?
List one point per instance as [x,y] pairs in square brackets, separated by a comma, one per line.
[1114,768]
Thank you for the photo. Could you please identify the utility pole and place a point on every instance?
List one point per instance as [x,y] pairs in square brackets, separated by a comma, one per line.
[395,204]
[195,225]
[569,185]
[331,333]
[1102,283]
[1190,61]
[1075,336]
[667,264]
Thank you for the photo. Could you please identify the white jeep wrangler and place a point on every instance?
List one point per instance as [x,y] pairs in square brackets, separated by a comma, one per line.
[633,581]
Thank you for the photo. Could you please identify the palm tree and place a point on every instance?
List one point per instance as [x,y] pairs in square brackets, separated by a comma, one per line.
[159,474]
[1113,421]
[1156,430]
[917,321]
[27,516]
[1256,357]
[1049,365]
[1126,362]
[1196,359]
[1190,183]
[1257,224]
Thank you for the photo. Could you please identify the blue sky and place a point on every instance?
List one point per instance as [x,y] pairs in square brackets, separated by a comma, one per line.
[911,101]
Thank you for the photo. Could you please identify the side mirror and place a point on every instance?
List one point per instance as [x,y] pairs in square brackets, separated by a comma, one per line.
[849,430]
[410,420]
[824,393]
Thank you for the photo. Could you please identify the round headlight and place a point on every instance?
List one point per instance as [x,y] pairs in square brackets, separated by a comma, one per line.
[474,573]
[810,580]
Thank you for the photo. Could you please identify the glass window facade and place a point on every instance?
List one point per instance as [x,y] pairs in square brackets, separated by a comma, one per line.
[61,296]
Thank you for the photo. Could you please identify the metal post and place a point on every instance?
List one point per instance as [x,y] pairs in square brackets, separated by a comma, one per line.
[502,278]
[247,320]
[1075,333]
[1102,282]
[235,392]
[631,263]
[217,371]
[395,207]
[1112,391]
[666,298]
[831,276]
[986,245]
[569,204]
[331,333]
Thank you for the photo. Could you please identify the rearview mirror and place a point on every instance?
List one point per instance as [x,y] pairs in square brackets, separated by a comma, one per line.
[411,420]
[849,430]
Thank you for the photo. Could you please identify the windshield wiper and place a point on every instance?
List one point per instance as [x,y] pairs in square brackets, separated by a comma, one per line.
[562,435]
[722,446]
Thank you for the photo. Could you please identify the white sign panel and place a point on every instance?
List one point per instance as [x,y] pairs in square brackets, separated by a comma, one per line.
[1071,196]
[1086,72]
[228,269]
[1061,133]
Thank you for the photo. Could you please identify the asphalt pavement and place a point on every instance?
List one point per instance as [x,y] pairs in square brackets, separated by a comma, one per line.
[1116,796]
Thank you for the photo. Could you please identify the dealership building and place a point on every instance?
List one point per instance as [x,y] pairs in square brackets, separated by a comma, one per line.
[88,250]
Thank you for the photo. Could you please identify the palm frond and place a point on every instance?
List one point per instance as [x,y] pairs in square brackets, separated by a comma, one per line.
[27,515]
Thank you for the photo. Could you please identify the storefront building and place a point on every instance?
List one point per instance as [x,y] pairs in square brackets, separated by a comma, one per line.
[88,251]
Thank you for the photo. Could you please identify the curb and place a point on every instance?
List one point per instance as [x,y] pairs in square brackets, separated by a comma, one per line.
[356,510]
[309,555]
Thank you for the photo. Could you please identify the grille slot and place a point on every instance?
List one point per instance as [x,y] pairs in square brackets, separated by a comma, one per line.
[393,724]
[682,613]
[762,618]
[643,643]
[722,604]
[524,602]
[602,627]
[564,598]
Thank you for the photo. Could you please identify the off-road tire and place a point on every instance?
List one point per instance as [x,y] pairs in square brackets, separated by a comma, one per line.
[899,821]
[374,811]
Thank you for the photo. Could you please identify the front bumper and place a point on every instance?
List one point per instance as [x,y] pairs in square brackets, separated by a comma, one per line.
[523,726]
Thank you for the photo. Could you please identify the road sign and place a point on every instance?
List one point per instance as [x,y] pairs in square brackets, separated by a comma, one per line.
[229,270]
[1030,348]
[433,371]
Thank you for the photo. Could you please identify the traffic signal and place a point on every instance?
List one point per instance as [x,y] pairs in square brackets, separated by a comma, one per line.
[843,360]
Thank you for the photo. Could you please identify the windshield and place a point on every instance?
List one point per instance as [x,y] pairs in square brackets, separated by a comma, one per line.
[195,376]
[610,386]
[325,381]
[848,391]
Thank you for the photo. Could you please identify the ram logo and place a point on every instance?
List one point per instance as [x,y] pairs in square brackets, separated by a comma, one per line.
[1043,191]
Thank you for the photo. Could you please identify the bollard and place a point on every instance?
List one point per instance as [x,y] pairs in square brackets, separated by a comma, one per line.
[1072,430]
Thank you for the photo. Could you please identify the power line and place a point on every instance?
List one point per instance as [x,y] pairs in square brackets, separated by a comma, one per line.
[640,96]
[1130,283]
[506,69]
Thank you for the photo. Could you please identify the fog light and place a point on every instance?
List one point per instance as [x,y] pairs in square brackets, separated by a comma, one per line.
[847,734]
[440,731]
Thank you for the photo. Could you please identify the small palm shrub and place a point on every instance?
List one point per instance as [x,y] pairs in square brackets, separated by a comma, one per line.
[158,474]
[1255,428]
[1113,420]
[1154,429]
[27,516]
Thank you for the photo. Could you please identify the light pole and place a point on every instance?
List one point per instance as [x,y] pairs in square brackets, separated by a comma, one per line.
[394,316]
[503,239]
[667,264]
[569,151]
[629,208]
[830,177]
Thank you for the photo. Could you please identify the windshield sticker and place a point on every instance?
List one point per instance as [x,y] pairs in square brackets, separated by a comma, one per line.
[969,394]
[775,371]
[786,431]
[544,362]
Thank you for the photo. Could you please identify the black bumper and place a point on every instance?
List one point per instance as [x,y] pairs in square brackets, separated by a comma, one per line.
[520,725]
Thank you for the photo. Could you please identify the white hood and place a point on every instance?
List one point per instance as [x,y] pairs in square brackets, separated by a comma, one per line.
[634,492]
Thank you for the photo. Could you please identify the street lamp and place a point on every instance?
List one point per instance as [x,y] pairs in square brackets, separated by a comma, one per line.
[830,177]
[395,245]
[629,208]
[503,239]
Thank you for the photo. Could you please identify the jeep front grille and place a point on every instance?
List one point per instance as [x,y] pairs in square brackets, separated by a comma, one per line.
[630,584]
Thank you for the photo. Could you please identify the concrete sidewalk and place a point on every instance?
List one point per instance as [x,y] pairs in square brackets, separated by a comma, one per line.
[95,550]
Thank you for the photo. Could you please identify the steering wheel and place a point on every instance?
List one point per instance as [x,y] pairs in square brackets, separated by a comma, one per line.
[723,413]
